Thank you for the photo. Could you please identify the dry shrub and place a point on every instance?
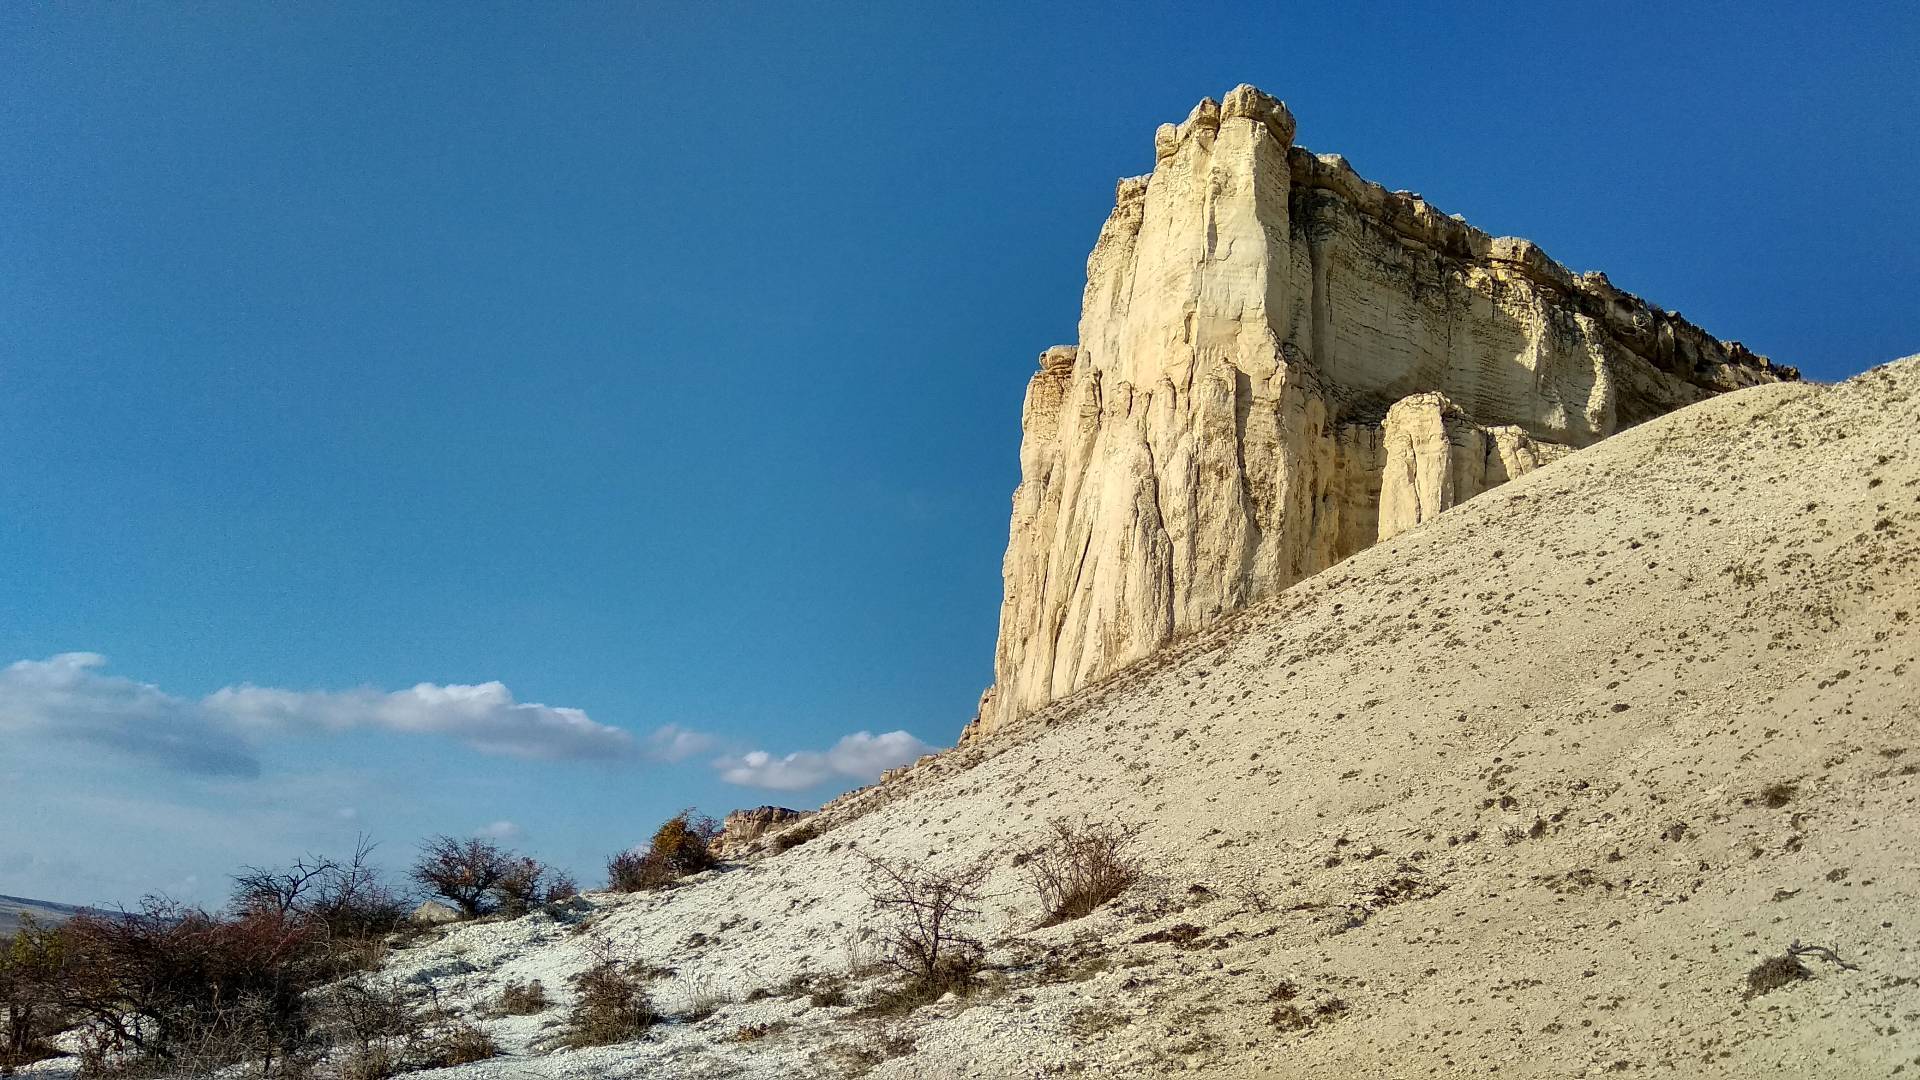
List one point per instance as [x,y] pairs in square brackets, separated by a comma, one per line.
[610,1004]
[368,1021]
[628,872]
[926,941]
[345,900]
[794,837]
[31,966]
[1078,868]
[181,990]
[683,845]
[379,1032]
[348,911]
[561,886]
[529,885]
[463,872]
[1773,973]
[368,1063]
[480,877]
[521,999]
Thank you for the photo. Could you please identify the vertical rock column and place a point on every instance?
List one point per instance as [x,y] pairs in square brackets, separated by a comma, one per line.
[1162,458]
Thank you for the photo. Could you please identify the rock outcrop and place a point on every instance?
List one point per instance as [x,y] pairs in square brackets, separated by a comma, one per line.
[741,828]
[433,913]
[1281,363]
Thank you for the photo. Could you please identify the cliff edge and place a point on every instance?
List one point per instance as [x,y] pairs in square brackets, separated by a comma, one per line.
[1281,363]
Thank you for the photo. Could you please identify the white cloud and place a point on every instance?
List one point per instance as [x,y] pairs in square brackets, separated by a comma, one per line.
[673,743]
[500,830]
[485,717]
[69,697]
[862,756]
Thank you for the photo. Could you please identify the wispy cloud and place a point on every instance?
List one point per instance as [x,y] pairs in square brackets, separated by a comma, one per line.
[70,697]
[500,830]
[862,756]
[485,717]
[673,743]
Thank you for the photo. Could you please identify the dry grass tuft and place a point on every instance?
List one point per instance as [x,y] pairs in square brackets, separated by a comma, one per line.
[458,1042]
[611,1005]
[794,837]
[830,993]
[703,1000]
[1289,1016]
[1078,868]
[958,975]
[521,999]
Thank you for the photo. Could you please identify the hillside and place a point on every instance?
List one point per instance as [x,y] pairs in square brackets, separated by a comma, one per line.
[1528,791]
[12,908]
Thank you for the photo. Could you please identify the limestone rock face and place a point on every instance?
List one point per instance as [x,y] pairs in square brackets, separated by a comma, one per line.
[1279,364]
[741,828]
[1433,456]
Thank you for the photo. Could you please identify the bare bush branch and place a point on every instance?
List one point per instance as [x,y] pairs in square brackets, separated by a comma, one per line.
[928,911]
[1798,950]
[345,901]
[610,1004]
[1078,868]
[482,878]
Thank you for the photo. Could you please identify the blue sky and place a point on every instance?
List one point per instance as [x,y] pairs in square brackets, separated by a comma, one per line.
[662,363]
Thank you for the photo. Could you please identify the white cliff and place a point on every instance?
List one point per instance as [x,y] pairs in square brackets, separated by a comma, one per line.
[1280,364]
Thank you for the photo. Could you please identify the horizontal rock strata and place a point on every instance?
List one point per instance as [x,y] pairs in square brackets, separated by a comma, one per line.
[1281,363]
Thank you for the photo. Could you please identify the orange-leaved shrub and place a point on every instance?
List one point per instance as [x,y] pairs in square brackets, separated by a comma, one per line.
[682,845]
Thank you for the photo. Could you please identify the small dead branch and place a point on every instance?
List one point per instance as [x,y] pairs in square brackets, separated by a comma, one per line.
[928,942]
[1798,950]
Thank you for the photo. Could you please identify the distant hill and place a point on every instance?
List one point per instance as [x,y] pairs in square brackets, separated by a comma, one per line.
[13,907]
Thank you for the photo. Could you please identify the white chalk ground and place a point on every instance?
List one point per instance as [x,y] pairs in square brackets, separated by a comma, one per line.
[1494,787]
